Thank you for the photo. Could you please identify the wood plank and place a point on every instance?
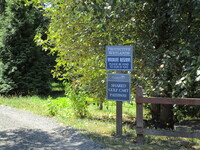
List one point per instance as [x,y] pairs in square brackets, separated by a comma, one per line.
[139,115]
[162,100]
[139,109]
[119,118]
[171,133]
[139,130]
[139,123]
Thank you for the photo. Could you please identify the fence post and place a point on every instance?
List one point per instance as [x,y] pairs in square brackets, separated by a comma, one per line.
[139,117]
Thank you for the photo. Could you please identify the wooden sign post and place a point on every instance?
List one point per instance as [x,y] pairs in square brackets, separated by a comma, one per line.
[119,118]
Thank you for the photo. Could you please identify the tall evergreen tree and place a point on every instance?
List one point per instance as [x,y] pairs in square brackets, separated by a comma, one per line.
[24,67]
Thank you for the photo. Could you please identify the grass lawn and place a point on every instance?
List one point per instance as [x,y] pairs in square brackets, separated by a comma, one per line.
[100,124]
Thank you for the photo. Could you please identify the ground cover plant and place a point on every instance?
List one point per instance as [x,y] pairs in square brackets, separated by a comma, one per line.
[97,124]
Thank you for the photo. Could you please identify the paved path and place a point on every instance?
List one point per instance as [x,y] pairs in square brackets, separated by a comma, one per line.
[22,130]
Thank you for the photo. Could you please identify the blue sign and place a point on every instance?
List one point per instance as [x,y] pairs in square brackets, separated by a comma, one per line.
[118,87]
[119,58]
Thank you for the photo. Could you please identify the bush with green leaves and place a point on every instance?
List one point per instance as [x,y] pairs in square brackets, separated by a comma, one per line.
[75,103]
[59,106]
[79,99]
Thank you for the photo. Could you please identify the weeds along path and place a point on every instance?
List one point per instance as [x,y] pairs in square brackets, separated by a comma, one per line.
[22,130]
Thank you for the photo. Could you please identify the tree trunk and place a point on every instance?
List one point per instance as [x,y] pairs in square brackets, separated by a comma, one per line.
[100,106]
[155,112]
[166,116]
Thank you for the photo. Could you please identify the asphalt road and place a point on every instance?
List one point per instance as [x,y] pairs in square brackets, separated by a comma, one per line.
[22,130]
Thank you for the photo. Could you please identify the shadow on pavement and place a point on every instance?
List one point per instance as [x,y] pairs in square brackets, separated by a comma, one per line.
[31,139]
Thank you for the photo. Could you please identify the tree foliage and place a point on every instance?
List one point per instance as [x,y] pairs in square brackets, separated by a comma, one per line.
[79,32]
[24,67]
[169,48]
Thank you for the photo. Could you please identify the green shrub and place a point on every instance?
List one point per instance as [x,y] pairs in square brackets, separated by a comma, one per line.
[75,103]
[79,99]
[59,107]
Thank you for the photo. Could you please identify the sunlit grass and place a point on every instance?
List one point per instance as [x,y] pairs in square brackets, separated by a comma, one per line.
[57,86]
[35,104]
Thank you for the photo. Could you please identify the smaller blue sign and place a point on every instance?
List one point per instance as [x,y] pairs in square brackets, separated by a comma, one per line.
[119,58]
[119,62]
[118,87]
